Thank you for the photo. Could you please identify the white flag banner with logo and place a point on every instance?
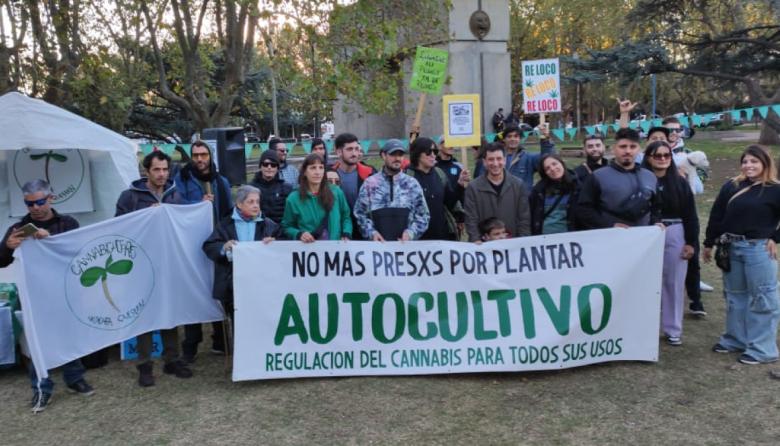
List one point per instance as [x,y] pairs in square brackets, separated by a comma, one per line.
[366,308]
[67,171]
[102,284]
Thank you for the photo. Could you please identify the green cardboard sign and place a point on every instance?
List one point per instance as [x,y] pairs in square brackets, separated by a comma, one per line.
[430,70]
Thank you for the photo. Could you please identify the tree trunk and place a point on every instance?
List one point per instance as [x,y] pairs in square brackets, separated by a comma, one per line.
[769,135]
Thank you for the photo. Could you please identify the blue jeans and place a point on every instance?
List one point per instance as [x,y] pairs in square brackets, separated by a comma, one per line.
[72,372]
[752,307]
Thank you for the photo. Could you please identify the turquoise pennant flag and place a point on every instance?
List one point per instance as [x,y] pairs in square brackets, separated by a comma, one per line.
[559,133]
[735,115]
[572,132]
[602,128]
[329,146]
[306,146]
[696,120]
[645,126]
[657,122]
[167,148]
[763,111]
[749,113]
[405,142]
[705,119]
[365,144]
[381,143]
[684,121]
[526,135]
[248,150]
[590,130]
[633,125]
[263,146]
[490,137]
[146,148]
[776,109]
[290,146]
[615,127]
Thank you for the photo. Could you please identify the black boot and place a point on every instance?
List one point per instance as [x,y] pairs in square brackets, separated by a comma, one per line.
[178,369]
[145,376]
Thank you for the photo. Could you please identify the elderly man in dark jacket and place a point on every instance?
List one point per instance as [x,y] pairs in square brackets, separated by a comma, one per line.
[245,224]
[154,190]
[273,190]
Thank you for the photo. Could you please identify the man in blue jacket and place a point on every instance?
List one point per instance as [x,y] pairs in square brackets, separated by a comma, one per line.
[199,181]
[521,163]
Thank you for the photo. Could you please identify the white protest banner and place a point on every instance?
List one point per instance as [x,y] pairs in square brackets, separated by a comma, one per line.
[67,171]
[364,308]
[101,284]
[541,86]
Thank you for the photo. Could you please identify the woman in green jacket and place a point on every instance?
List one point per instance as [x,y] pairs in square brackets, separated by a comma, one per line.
[317,210]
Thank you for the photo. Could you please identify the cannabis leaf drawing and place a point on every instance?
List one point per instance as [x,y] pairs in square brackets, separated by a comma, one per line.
[50,155]
[554,94]
[529,83]
[118,268]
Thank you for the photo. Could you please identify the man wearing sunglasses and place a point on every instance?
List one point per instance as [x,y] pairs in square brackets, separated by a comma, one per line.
[287,172]
[273,189]
[37,198]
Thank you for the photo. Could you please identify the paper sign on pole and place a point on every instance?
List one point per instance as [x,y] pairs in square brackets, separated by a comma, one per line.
[461,120]
[541,86]
[429,70]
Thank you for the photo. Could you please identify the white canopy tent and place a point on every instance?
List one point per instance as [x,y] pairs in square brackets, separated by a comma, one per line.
[27,123]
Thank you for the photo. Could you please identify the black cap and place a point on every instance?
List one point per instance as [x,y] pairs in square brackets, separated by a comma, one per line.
[394,145]
[269,155]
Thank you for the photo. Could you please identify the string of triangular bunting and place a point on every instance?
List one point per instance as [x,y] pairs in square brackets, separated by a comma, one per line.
[559,133]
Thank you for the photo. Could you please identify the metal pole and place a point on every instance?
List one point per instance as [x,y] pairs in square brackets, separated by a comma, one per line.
[273,82]
[652,88]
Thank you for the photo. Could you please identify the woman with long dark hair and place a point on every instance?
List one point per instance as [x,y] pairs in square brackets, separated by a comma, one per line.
[553,197]
[678,214]
[744,224]
[318,210]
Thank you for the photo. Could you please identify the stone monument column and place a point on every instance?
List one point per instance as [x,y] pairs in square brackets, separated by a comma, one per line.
[479,63]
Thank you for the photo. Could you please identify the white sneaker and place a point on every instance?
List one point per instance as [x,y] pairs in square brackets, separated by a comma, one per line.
[704,287]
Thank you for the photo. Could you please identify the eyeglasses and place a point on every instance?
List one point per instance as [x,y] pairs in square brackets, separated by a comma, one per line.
[269,164]
[675,130]
[662,156]
[39,202]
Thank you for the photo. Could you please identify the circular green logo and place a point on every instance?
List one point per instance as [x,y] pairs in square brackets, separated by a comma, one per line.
[109,282]
[62,169]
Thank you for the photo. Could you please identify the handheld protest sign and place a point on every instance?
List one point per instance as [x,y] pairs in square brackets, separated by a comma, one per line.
[428,75]
[429,70]
[541,86]
[462,125]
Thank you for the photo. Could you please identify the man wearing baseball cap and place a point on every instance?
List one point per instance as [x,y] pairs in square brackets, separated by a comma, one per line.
[390,204]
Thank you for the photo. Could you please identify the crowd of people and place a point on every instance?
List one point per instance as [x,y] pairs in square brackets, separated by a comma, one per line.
[422,192]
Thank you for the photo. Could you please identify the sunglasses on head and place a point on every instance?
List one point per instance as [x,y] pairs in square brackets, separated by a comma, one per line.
[661,156]
[269,164]
[39,202]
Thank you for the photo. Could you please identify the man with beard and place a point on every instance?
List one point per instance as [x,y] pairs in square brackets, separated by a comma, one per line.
[390,204]
[287,172]
[154,190]
[352,173]
[593,149]
[621,195]
[200,181]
